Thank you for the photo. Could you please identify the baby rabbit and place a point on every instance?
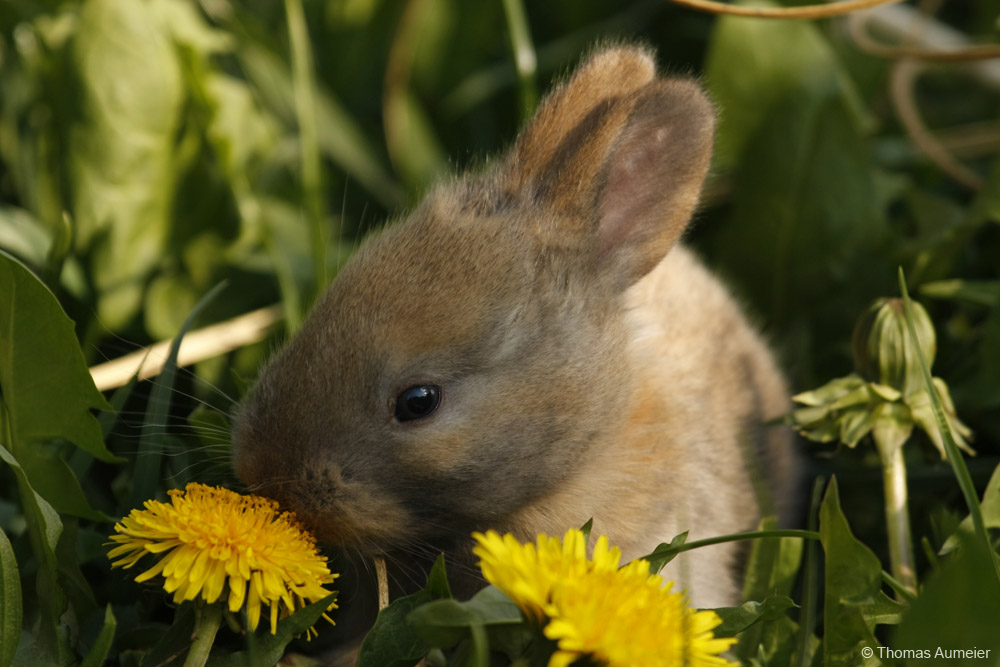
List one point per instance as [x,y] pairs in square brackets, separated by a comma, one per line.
[530,348]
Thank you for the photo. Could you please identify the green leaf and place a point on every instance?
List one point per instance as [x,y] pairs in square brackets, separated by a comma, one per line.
[123,148]
[806,181]
[176,640]
[444,623]
[24,236]
[830,392]
[855,423]
[853,581]
[44,529]
[45,385]
[10,602]
[737,619]
[268,649]
[771,571]
[665,552]
[990,507]
[773,564]
[168,301]
[98,653]
[392,642]
[749,73]
[437,579]
[981,292]
[52,477]
[957,608]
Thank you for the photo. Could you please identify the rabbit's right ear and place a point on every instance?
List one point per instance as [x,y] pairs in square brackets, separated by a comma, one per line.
[617,159]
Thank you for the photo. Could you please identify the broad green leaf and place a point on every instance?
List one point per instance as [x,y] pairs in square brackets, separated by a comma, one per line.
[392,642]
[70,555]
[98,653]
[188,28]
[44,529]
[957,608]
[45,384]
[444,623]
[10,602]
[123,155]
[750,69]
[853,585]
[24,236]
[824,200]
[52,477]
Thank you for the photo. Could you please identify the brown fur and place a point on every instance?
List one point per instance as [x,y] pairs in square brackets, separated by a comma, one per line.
[590,366]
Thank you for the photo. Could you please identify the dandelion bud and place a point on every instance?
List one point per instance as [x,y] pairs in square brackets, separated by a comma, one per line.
[883,349]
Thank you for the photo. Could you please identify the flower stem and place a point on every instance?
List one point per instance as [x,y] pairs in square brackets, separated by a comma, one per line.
[210,618]
[897,516]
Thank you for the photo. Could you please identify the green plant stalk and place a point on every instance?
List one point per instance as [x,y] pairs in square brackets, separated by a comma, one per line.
[810,580]
[897,515]
[737,537]
[525,60]
[901,591]
[303,77]
[210,618]
[954,455]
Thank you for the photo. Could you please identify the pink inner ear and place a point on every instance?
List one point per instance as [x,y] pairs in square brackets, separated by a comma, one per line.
[637,188]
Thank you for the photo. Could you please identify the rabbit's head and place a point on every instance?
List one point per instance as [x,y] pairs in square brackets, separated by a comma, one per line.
[470,355]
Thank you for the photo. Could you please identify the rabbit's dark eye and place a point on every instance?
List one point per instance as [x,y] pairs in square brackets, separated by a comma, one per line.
[417,402]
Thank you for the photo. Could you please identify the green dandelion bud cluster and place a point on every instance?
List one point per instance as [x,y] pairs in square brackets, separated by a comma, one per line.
[886,395]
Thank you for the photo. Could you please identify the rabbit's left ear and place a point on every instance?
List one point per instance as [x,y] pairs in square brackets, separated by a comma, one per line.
[608,74]
[649,183]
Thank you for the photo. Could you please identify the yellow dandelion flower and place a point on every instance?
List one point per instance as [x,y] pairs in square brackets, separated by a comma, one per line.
[210,540]
[591,608]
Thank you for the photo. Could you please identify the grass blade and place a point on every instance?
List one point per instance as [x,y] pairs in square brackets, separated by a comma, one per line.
[146,476]
[99,651]
[10,602]
[951,448]
[525,60]
[303,78]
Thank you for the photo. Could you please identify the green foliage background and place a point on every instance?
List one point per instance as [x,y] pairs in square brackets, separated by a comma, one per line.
[151,149]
